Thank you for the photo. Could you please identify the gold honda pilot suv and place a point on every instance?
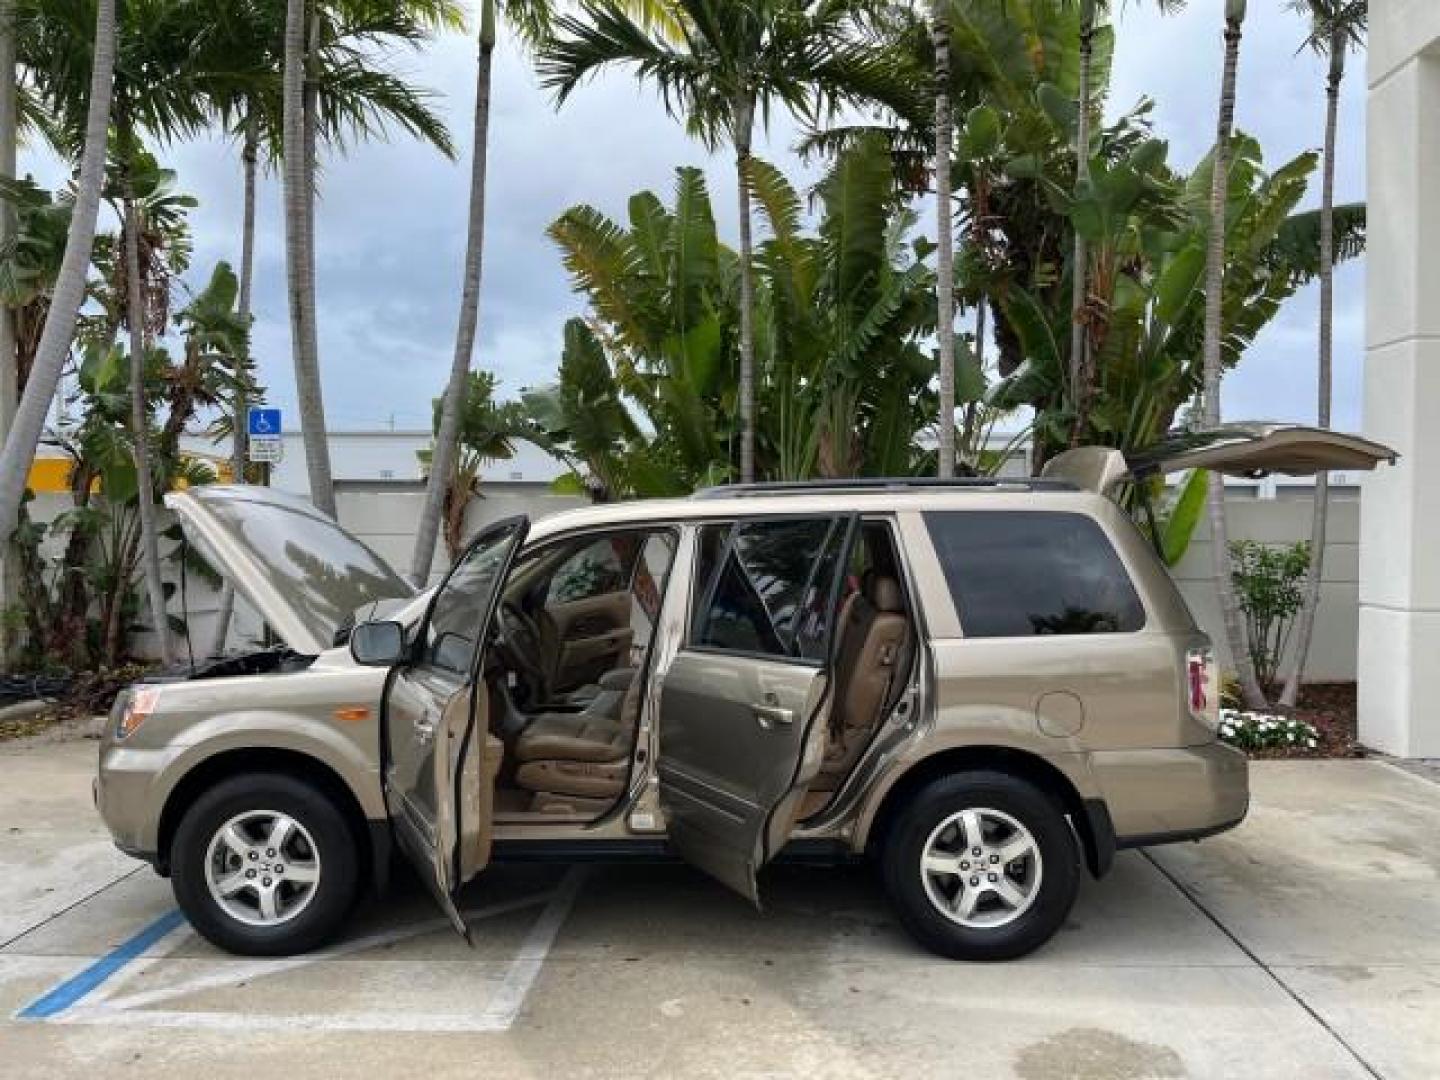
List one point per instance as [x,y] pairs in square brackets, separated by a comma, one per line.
[983,686]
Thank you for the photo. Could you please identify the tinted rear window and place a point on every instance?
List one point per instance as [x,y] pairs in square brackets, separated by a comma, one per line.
[1022,573]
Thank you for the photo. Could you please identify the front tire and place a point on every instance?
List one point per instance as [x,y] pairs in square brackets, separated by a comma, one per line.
[264,864]
[981,866]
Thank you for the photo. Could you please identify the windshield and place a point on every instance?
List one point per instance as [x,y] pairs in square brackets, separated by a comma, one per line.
[323,573]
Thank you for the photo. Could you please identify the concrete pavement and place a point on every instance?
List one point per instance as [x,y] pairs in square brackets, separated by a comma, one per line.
[1304,944]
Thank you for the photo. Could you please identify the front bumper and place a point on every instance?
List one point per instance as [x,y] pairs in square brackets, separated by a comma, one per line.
[1159,796]
[127,798]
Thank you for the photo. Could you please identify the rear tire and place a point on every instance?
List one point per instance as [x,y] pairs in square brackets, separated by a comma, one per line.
[265,864]
[981,866]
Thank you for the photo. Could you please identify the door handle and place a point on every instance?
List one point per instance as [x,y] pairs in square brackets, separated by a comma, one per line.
[770,717]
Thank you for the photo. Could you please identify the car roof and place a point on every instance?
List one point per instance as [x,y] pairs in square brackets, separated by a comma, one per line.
[769,500]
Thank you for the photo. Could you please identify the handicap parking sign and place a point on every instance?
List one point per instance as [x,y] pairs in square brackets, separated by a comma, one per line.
[265,422]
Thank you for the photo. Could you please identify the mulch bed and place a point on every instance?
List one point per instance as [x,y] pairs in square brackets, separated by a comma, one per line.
[1330,709]
[76,702]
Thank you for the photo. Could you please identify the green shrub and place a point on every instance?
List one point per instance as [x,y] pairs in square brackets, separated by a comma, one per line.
[1269,583]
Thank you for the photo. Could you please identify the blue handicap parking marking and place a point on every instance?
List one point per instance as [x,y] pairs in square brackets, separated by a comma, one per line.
[86,982]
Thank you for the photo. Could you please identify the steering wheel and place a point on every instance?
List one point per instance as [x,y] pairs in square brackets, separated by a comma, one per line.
[519,641]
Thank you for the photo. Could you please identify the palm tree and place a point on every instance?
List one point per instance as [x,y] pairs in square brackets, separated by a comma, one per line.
[1080,260]
[24,436]
[1251,691]
[731,65]
[300,263]
[155,85]
[332,42]
[531,18]
[1081,380]
[9,366]
[944,235]
[353,98]
[1337,26]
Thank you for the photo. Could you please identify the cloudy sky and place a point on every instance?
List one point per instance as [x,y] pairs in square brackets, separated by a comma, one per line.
[391,216]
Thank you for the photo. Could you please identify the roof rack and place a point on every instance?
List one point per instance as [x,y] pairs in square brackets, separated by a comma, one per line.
[882,483]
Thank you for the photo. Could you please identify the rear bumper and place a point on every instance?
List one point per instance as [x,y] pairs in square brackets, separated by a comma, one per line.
[1161,796]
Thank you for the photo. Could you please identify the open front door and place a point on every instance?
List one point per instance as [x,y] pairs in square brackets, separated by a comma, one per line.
[439,759]
[744,703]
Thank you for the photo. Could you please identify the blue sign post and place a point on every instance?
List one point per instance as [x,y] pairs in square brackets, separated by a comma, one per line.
[265,422]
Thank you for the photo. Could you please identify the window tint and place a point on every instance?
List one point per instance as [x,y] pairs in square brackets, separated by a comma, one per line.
[769,587]
[598,568]
[1017,574]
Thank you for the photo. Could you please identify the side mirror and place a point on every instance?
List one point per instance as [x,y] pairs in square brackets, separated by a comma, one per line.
[378,644]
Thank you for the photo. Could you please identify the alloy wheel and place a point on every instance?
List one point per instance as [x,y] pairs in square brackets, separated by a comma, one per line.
[262,868]
[981,868]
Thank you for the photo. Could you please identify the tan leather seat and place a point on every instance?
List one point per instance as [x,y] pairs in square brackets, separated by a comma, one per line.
[577,756]
[872,656]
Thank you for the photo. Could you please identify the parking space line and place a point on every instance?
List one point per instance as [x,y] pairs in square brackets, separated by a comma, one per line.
[243,971]
[506,1003]
[90,997]
[73,989]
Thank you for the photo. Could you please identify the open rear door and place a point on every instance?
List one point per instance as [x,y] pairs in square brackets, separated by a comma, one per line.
[1259,449]
[439,760]
[744,703]
[1251,450]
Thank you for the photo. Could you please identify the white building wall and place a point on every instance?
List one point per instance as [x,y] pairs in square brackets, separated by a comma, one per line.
[1399,597]
[388,455]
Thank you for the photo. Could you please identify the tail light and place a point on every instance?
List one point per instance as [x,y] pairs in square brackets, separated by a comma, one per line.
[1201,686]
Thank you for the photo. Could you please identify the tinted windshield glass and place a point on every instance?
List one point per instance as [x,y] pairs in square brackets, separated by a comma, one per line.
[322,572]
[1018,574]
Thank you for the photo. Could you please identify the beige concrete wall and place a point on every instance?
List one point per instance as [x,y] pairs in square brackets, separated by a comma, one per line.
[1284,521]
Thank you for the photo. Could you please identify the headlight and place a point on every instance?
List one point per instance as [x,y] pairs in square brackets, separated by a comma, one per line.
[134,706]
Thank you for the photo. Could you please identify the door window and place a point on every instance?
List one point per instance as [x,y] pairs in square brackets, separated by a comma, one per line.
[1023,573]
[769,587]
[463,602]
[598,568]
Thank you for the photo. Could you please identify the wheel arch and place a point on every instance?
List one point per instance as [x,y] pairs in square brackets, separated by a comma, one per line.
[372,839]
[1089,817]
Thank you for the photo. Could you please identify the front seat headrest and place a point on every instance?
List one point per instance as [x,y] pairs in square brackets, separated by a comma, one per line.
[885,594]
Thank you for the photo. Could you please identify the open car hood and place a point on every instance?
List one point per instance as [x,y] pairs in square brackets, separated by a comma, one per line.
[1251,449]
[300,570]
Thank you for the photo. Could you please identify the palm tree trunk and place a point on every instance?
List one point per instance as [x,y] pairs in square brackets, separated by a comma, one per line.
[447,439]
[744,126]
[239,453]
[24,436]
[1250,689]
[249,158]
[140,430]
[944,237]
[1305,625]
[10,583]
[1080,271]
[299,178]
